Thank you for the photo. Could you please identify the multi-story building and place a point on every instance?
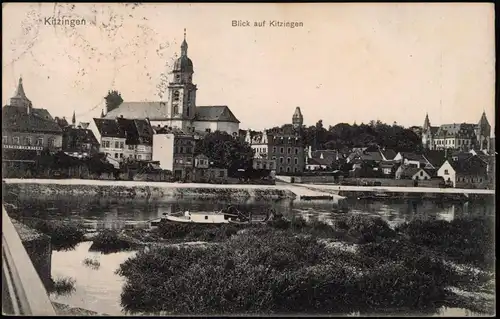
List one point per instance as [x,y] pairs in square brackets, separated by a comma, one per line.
[174,149]
[179,110]
[78,140]
[461,136]
[27,130]
[284,144]
[125,138]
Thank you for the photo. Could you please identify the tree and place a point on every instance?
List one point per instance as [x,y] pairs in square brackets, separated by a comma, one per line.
[113,100]
[225,151]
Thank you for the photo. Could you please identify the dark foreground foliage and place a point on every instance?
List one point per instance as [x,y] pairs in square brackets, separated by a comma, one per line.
[63,236]
[286,269]
[465,241]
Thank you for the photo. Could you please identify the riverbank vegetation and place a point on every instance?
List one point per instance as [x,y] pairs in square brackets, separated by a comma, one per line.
[287,267]
[63,235]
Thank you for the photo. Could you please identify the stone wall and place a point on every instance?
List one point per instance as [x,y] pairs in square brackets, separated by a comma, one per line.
[39,250]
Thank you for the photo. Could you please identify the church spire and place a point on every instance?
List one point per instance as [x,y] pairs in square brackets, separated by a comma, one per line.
[73,119]
[102,113]
[184,45]
[20,99]
[427,123]
[20,89]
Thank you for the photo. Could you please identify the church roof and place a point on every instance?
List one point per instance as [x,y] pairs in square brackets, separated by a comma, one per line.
[140,110]
[18,119]
[215,113]
[157,111]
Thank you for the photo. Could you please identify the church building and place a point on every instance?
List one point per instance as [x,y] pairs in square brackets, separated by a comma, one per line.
[180,110]
[459,136]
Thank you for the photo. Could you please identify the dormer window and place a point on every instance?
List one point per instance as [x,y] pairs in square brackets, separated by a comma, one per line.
[178,77]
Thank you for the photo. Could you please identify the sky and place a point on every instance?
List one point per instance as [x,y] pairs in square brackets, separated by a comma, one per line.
[348,62]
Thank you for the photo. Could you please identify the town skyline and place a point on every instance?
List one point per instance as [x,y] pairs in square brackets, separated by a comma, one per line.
[65,72]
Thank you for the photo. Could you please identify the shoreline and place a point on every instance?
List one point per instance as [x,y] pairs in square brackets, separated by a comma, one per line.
[158,190]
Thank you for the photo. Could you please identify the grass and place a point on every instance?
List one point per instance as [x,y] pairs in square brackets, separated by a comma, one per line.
[62,286]
[284,268]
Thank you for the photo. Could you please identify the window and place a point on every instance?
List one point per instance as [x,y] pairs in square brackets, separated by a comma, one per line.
[139,156]
[296,151]
[130,147]
[288,160]
[51,142]
[282,150]
[182,150]
[177,77]
[105,144]
[274,157]
[221,173]
[296,169]
[116,155]
[15,140]
[122,145]
[5,139]
[421,173]
[296,161]
[281,160]
[288,169]
[289,150]
[117,144]
[27,141]
[445,172]
[176,109]
[39,141]
[274,149]
[281,169]
[187,111]
[121,155]
[176,96]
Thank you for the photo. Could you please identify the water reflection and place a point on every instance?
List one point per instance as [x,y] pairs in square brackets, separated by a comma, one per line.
[108,214]
[95,289]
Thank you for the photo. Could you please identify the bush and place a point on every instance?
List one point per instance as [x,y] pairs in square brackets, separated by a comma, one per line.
[269,271]
[109,241]
[468,240]
[364,229]
[63,236]
[196,232]
[62,286]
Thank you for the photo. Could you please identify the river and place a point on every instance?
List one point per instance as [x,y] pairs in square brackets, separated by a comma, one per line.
[99,289]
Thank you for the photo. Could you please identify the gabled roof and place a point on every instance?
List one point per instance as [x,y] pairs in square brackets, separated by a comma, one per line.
[140,110]
[414,157]
[215,113]
[319,161]
[157,111]
[465,130]
[17,119]
[471,166]
[82,136]
[410,171]
[134,131]
[435,157]
[389,154]
[371,156]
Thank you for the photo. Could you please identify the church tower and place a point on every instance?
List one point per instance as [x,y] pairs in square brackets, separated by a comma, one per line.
[427,138]
[20,99]
[297,118]
[483,132]
[181,91]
